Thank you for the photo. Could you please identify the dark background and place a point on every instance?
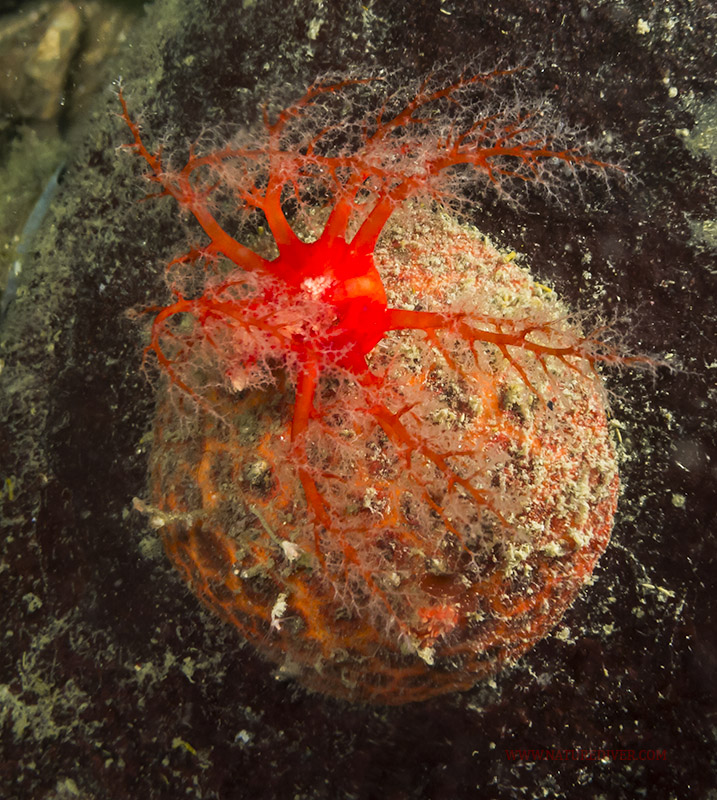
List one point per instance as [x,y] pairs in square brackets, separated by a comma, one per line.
[115,684]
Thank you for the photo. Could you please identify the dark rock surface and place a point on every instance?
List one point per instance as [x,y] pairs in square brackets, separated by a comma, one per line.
[115,684]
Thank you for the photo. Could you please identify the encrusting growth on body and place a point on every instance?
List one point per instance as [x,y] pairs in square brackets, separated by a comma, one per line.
[381,450]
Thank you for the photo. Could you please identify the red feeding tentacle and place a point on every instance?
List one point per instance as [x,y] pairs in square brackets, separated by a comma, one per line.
[304,403]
